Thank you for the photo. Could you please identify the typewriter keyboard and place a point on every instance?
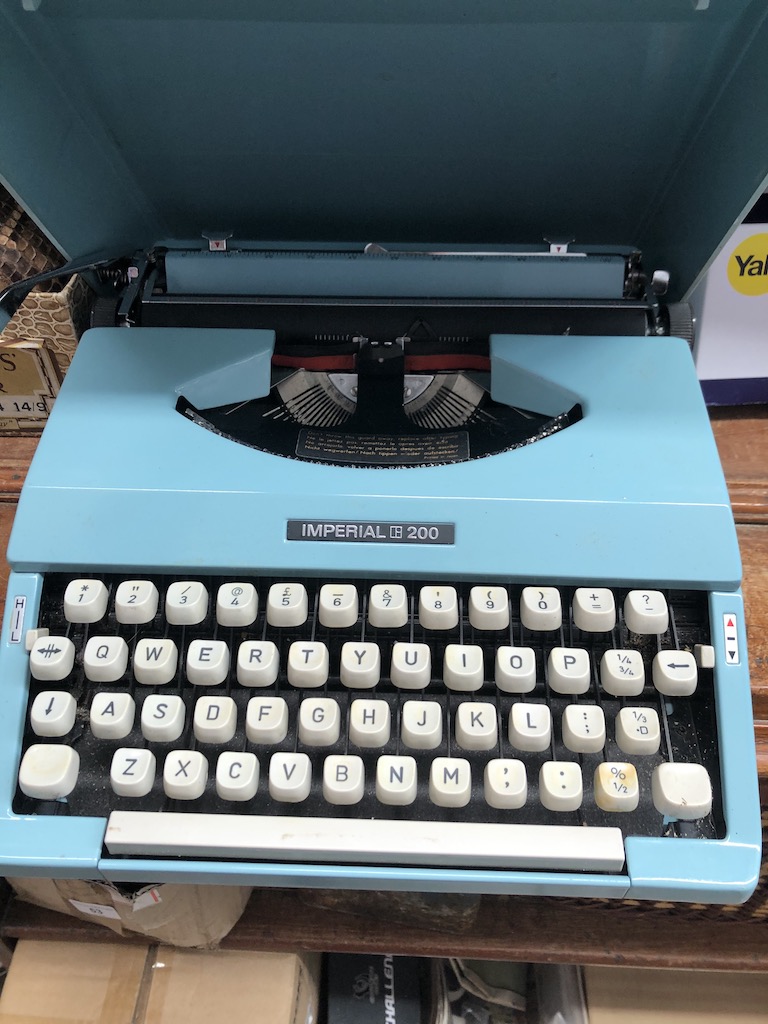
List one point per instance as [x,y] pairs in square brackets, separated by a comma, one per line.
[363,720]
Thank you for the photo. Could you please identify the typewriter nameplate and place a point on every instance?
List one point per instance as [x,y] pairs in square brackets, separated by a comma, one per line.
[371,532]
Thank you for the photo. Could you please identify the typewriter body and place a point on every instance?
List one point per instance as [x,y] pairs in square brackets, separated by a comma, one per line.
[378,537]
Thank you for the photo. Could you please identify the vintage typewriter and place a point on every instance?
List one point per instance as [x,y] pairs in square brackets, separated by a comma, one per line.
[372,564]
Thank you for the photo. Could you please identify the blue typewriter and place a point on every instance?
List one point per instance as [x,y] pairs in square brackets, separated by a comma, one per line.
[378,538]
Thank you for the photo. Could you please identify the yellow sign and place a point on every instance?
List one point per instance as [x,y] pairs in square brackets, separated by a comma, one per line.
[748,266]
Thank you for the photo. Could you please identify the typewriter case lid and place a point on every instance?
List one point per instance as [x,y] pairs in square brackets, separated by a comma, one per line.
[621,125]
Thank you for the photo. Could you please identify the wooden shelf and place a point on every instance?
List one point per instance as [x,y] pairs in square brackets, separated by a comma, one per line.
[536,929]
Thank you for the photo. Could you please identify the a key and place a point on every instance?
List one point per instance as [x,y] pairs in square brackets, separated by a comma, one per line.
[515,670]
[155,662]
[112,715]
[476,725]
[258,663]
[105,659]
[411,667]
[616,786]
[186,603]
[530,726]
[52,713]
[396,780]
[162,718]
[308,664]
[488,608]
[505,783]
[360,667]
[287,604]
[132,772]
[48,771]
[594,609]
[560,785]
[541,608]
[584,728]
[388,606]
[237,776]
[214,720]
[319,722]
[463,668]
[438,607]
[622,673]
[421,724]
[638,730]
[185,774]
[682,790]
[338,605]
[370,723]
[237,604]
[266,720]
[675,673]
[646,611]
[343,779]
[450,782]
[52,659]
[290,777]
[568,670]
[136,601]
[85,601]
[207,662]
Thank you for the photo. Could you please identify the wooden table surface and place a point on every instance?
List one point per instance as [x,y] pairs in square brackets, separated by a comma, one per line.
[535,929]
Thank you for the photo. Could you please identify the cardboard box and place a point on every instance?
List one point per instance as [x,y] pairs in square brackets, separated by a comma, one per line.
[36,348]
[642,996]
[89,983]
[180,915]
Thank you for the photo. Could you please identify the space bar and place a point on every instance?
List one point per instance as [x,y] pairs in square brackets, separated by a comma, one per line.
[365,841]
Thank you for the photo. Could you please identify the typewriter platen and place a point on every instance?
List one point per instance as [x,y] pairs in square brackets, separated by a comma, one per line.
[382,562]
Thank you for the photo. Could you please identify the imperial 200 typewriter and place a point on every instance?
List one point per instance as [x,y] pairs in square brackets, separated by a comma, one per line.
[372,564]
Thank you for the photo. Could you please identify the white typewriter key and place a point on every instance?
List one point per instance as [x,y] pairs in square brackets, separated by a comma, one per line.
[185,774]
[584,728]
[338,605]
[515,669]
[132,772]
[568,670]
[675,673]
[215,719]
[52,658]
[421,724]
[704,655]
[477,726]
[411,667]
[343,779]
[308,664]
[505,783]
[290,777]
[530,726]
[237,776]
[388,606]
[48,771]
[85,601]
[319,722]
[622,673]
[52,713]
[396,780]
[463,668]
[488,608]
[112,715]
[594,609]
[438,607]
[616,786]
[450,782]
[207,662]
[370,723]
[136,601]
[105,659]
[360,667]
[162,718]
[237,604]
[155,662]
[266,720]
[32,636]
[682,791]
[287,604]
[638,730]
[186,603]
[560,786]
[258,663]
[541,608]
[646,611]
